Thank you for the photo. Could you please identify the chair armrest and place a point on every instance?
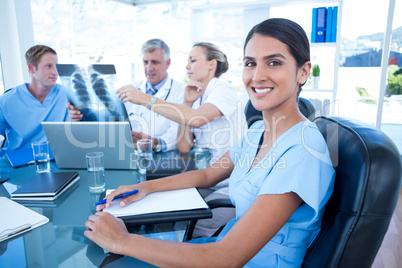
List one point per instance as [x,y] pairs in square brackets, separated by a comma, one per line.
[220,203]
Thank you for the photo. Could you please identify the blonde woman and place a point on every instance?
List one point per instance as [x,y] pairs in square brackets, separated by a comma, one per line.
[209,114]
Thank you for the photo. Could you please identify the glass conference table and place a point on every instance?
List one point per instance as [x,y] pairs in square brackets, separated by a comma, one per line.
[61,241]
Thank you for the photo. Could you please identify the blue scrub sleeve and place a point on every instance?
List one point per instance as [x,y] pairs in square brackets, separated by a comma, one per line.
[301,172]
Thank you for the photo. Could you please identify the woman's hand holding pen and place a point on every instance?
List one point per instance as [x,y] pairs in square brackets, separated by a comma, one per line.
[142,191]
[132,94]
[105,229]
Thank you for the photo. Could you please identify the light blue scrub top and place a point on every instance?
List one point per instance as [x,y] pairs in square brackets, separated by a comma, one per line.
[21,115]
[298,162]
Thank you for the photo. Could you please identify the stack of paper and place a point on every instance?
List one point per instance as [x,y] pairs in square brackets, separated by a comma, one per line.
[17,219]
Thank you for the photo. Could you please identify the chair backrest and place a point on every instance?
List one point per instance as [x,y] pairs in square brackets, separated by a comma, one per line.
[252,115]
[367,186]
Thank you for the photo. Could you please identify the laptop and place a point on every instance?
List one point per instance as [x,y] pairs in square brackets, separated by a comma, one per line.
[71,141]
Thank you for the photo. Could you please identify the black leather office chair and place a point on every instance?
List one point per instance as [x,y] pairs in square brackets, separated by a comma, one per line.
[367,186]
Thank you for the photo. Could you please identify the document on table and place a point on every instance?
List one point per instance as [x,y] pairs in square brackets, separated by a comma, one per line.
[166,201]
[17,219]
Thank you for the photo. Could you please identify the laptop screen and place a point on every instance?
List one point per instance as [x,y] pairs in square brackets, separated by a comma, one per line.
[71,141]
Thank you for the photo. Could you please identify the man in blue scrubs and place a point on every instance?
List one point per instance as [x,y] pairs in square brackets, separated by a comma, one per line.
[23,108]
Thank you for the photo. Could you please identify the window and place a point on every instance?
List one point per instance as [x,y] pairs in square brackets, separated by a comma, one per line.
[110,32]
[391,122]
[105,31]
[362,41]
[224,26]
[97,31]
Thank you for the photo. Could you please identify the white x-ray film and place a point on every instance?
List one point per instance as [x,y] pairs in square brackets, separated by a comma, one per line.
[92,89]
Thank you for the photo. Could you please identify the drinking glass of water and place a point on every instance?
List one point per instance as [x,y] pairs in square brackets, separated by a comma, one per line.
[41,156]
[199,155]
[144,147]
[96,172]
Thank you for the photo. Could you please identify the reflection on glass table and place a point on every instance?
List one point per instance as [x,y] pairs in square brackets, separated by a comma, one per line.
[61,242]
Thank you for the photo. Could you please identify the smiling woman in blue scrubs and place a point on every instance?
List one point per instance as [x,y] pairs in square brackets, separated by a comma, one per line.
[281,174]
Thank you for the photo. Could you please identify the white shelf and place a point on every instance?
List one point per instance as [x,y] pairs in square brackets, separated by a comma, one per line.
[317,90]
[330,44]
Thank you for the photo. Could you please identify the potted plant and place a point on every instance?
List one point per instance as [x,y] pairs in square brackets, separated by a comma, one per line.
[316,75]
[394,86]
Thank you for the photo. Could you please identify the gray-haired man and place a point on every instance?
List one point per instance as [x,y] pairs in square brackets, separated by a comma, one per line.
[145,123]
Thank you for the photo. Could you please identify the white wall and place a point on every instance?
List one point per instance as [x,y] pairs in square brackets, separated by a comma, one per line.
[16,31]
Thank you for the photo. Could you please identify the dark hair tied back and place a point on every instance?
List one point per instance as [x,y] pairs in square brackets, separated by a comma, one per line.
[288,32]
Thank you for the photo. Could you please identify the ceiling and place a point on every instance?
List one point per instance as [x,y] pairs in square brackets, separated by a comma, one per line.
[274,2]
[147,2]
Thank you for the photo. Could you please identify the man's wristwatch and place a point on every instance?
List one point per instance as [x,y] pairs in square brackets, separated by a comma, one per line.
[151,101]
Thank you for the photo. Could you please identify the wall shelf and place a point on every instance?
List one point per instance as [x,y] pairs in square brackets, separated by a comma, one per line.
[332,44]
[317,90]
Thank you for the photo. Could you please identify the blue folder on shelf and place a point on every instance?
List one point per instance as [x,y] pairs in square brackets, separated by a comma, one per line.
[321,23]
[314,26]
[23,157]
[334,23]
[328,29]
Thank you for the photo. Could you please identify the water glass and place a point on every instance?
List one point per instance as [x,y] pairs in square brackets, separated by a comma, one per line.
[41,156]
[200,158]
[96,172]
[144,147]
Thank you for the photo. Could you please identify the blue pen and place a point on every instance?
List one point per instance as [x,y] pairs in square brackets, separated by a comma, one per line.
[103,201]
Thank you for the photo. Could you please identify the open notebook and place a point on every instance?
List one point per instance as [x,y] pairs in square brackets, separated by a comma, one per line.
[158,207]
[17,219]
